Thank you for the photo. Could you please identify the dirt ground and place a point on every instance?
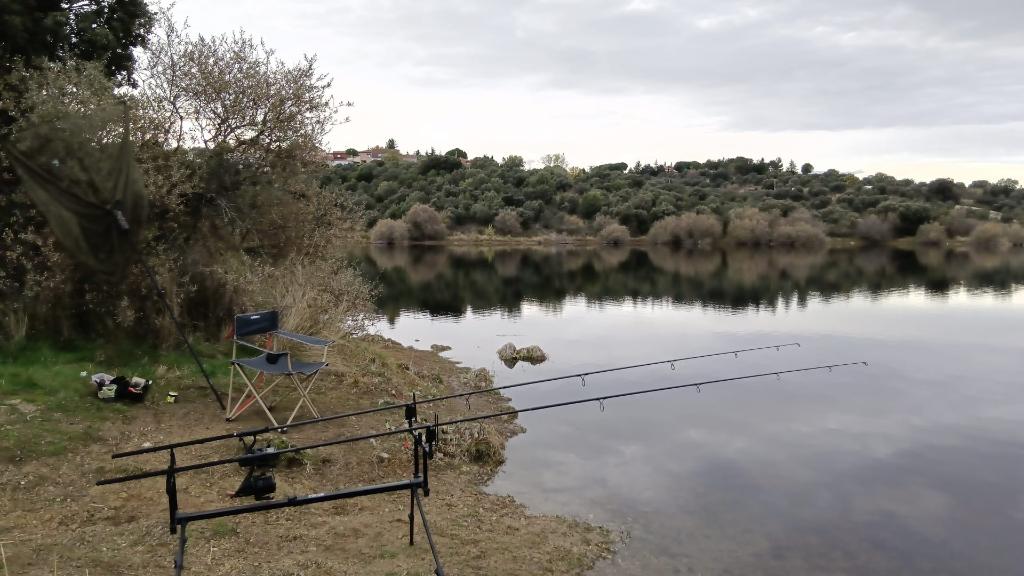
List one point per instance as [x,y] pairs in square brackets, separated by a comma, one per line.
[54,520]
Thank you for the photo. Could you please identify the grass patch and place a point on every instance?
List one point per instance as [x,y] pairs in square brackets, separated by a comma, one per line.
[222,529]
[48,407]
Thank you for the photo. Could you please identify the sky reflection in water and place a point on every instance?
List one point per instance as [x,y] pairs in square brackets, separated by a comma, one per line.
[914,465]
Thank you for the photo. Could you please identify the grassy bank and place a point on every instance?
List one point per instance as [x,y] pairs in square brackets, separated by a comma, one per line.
[57,438]
[48,408]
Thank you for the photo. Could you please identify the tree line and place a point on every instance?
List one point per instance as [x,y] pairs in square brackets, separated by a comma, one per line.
[508,198]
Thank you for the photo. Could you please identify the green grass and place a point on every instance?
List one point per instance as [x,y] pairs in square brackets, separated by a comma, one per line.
[222,529]
[51,408]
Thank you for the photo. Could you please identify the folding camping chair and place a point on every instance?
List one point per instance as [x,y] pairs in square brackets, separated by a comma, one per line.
[271,362]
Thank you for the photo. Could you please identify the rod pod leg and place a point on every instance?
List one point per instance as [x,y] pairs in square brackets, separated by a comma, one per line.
[179,558]
[412,516]
[417,442]
[438,566]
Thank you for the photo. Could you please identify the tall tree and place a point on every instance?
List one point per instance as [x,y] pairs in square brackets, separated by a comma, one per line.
[391,144]
[557,159]
[104,31]
[807,168]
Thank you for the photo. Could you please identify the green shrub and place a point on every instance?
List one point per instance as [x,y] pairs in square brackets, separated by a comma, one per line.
[389,231]
[425,224]
[930,234]
[613,234]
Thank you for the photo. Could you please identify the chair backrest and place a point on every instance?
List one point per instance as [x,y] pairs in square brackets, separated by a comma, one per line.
[256,323]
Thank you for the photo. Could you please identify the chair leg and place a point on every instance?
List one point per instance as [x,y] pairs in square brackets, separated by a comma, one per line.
[231,379]
[304,397]
[256,396]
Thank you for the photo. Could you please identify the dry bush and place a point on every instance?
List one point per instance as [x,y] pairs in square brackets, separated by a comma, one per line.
[874,230]
[797,234]
[324,297]
[388,231]
[930,234]
[1015,235]
[602,222]
[990,237]
[614,235]
[799,230]
[960,226]
[572,225]
[507,223]
[484,447]
[752,228]
[749,227]
[686,230]
[425,224]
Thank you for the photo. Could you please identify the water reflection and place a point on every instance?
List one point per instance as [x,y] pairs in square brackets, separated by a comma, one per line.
[914,465]
[450,281]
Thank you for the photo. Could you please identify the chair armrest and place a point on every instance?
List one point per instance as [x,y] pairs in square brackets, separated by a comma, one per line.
[304,339]
[253,346]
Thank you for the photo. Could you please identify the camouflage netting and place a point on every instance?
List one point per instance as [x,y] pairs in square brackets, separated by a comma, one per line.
[81,175]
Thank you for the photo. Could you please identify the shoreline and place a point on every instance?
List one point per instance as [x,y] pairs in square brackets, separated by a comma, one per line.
[476,532]
[552,241]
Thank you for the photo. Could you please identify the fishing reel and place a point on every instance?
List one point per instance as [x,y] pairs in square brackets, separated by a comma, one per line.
[259,481]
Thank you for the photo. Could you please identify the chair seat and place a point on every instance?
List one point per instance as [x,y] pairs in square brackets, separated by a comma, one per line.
[277,363]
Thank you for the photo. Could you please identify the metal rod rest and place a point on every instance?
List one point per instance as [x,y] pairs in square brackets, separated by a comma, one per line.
[350,439]
[438,567]
[402,485]
[266,429]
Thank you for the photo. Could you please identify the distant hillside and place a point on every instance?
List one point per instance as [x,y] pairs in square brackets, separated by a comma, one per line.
[472,195]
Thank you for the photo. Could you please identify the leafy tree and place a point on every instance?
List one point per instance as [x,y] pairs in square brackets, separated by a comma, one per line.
[391,144]
[942,190]
[233,90]
[457,153]
[352,152]
[103,31]
[437,163]
[791,167]
[556,159]
[591,203]
[807,168]
[513,162]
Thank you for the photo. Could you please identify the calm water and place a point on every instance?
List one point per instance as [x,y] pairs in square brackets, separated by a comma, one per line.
[913,465]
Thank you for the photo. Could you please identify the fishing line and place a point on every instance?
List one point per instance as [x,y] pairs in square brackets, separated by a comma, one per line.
[413,428]
[581,375]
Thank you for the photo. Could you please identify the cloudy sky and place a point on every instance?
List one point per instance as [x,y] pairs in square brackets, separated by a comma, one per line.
[915,88]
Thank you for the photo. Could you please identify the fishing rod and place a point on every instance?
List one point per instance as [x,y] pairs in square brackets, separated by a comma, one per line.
[413,428]
[415,402]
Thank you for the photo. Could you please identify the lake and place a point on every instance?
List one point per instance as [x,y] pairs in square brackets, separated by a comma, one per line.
[911,465]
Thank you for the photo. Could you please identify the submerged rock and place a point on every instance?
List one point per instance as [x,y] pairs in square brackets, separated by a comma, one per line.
[532,354]
[507,352]
[510,355]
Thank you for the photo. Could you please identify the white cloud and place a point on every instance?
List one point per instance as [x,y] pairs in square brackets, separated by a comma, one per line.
[846,84]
